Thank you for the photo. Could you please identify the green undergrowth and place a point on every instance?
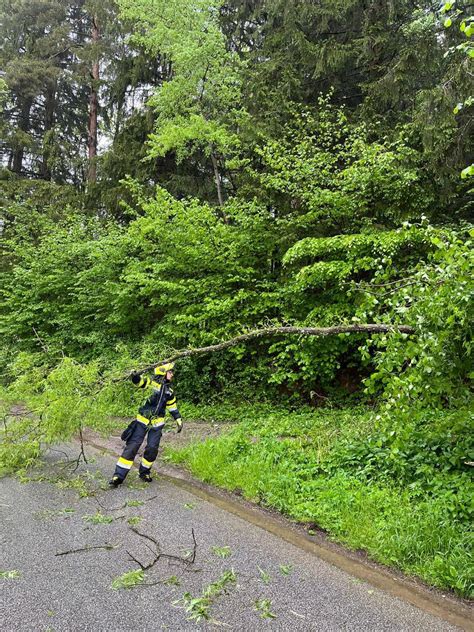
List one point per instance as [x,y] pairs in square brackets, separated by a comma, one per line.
[399,488]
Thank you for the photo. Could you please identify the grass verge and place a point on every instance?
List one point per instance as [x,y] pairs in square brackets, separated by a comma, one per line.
[370,487]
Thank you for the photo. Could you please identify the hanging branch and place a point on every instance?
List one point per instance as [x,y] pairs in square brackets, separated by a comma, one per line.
[276,331]
[82,454]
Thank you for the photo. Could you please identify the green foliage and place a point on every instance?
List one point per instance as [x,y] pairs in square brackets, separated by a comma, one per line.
[431,369]
[10,574]
[98,518]
[17,452]
[134,503]
[285,570]
[172,581]
[264,576]
[49,514]
[323,174]
[129,580]
[198,608]
[332,136]
[263,606]
[222,551]
[198,104]
[84,484]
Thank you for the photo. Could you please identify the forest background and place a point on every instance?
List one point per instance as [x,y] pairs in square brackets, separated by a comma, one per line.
[178,173]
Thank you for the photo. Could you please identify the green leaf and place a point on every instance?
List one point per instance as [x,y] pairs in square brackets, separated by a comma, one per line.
[448,22]
[10,574]
[264,576]
[285,569]
[222,551]
[128,580]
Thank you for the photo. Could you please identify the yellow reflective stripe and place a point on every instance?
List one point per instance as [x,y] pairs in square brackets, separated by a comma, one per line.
[172,402]
[143,420]
[146,463]
[157,385]
[124,463]
[158,421]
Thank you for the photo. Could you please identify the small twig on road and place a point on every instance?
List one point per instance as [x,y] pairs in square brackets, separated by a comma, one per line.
[188,560]
[144,567]
[144,535]
[121,506]
[106,546]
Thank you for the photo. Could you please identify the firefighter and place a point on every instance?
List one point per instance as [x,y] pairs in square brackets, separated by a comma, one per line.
[149,421]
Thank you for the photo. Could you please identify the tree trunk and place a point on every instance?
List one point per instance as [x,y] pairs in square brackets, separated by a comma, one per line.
[217,178]
[93,108]
[23,125]
[50,104]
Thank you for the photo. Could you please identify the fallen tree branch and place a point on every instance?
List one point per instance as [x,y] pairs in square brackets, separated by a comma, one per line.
[277,331]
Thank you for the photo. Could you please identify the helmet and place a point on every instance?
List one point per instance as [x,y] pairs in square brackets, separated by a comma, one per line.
[164,368]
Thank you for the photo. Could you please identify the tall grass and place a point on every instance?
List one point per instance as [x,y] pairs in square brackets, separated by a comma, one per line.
[287,461]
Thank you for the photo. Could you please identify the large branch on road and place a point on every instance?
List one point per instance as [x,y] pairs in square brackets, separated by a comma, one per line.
[277,331]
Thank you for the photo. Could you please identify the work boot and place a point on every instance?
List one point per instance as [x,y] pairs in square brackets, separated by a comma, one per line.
[115,481]
[146,477]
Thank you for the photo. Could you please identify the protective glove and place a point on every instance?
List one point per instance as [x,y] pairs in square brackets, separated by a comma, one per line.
[180,425]
[135,377]
[163,368]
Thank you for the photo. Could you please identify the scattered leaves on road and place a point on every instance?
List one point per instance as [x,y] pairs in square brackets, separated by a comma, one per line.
[10,574]
[263,606]
[222,551]
[264,576]
[129,580]
[98,518]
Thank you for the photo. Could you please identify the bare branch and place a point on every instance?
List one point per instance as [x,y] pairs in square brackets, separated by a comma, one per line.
[106,547]
[142,566]
[372,328]
[82,454]
[158,554]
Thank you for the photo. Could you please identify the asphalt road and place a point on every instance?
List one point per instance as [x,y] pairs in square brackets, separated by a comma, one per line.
[277,585]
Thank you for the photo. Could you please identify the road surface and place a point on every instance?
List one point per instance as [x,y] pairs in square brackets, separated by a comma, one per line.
[57,581]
